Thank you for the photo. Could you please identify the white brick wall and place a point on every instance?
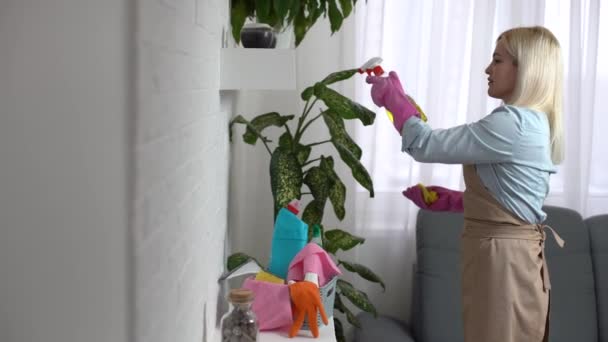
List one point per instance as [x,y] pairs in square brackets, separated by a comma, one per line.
[181,160]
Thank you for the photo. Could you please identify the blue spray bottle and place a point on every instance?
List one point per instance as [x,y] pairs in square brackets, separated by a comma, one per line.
[289,237]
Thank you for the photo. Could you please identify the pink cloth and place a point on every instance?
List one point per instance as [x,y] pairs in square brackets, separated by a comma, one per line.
[312,259]
[271,305]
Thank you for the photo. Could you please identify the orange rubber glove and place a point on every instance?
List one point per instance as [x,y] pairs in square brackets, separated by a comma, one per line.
[306,300]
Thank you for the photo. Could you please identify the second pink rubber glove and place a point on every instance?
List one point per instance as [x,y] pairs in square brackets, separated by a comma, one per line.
[446,199]
[387,92]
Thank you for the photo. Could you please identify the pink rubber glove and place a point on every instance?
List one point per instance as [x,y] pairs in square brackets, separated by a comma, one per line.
[444,200]
[387,92]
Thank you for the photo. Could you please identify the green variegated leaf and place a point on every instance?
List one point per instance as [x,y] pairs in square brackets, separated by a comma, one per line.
[335,17]
[339,76]
[237,259]
[336,239]
[307,93]
[338,133]
[359,172]
[343,106]
[363,271]
[357,297]
[313,213]
[260,122]
[339,331]
[337,191]
[285,178]
[338,304]
[347,7]
[250,128]
[302,153]
[286,141]
[318,183]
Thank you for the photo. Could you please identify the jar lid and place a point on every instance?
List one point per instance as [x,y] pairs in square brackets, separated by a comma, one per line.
[241,295]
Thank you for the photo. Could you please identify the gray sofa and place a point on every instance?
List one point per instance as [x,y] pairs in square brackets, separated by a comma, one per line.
[579,277]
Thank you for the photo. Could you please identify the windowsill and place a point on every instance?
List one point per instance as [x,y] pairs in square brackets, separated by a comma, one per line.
[326,334]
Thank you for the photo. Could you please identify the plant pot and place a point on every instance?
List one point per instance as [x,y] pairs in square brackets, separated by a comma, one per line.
[259,36]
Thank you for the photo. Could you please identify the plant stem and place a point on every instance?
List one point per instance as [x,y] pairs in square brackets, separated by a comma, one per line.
[319,143]
[259,136]
[311,121]
[310,162]
[300,130]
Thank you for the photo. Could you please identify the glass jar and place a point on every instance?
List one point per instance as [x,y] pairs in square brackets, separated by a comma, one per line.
[240,323]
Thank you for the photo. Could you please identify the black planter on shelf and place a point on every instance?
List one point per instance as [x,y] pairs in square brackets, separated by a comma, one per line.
[259,36]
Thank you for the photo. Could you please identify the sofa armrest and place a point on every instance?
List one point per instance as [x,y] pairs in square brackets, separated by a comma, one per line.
[383,329]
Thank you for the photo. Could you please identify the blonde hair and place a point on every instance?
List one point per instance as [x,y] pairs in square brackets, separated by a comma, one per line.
[539,86]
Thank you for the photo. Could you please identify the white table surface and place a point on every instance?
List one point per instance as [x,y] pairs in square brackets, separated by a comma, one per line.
[326,334]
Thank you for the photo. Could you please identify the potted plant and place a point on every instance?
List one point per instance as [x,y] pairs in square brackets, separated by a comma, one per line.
[291,168]
[279,14]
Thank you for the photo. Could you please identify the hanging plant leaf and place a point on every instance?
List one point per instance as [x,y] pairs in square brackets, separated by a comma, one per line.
[357,297]
[320,10]
[238,14]
[262,9]
[347,7]
[237,259]
[260,122]
[339,331]
[338,133]
[285,178]
[343,106]
[337,191]
[335,17]
[296,6]
[281,7]
[363,271]
[313,213]
[339,76]
[300,27]
[337,239]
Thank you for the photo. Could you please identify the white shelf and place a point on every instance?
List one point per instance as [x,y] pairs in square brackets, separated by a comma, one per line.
[327,333]
[257,69]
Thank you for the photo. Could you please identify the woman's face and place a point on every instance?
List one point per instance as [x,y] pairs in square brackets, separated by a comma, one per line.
[502,73]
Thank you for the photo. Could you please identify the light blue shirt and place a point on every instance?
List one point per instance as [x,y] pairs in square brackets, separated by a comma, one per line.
[510,148]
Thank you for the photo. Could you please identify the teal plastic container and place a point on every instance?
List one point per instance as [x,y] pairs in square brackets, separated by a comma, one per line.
[289,237]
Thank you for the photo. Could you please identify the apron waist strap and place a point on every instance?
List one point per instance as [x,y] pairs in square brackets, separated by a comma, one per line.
[535,233]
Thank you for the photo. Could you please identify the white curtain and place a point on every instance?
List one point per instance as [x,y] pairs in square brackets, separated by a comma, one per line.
[440,49]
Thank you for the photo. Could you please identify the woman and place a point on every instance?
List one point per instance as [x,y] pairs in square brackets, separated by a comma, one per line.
[507,159]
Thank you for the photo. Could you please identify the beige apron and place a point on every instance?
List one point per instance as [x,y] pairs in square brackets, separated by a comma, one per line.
[505,280]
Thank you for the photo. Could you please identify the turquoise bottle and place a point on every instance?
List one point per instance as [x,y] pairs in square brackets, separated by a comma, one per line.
[289,237]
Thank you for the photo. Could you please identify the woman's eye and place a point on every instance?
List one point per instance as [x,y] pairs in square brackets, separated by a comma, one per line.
[497,61]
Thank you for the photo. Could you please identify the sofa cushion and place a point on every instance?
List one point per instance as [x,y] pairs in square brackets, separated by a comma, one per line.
[573,307]
[437,308]
[598,232]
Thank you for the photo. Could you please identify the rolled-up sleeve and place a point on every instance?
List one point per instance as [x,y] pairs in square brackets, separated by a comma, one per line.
[492,139]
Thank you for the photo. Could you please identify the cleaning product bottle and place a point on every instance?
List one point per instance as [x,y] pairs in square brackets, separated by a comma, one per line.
[316,235]
[289,237]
